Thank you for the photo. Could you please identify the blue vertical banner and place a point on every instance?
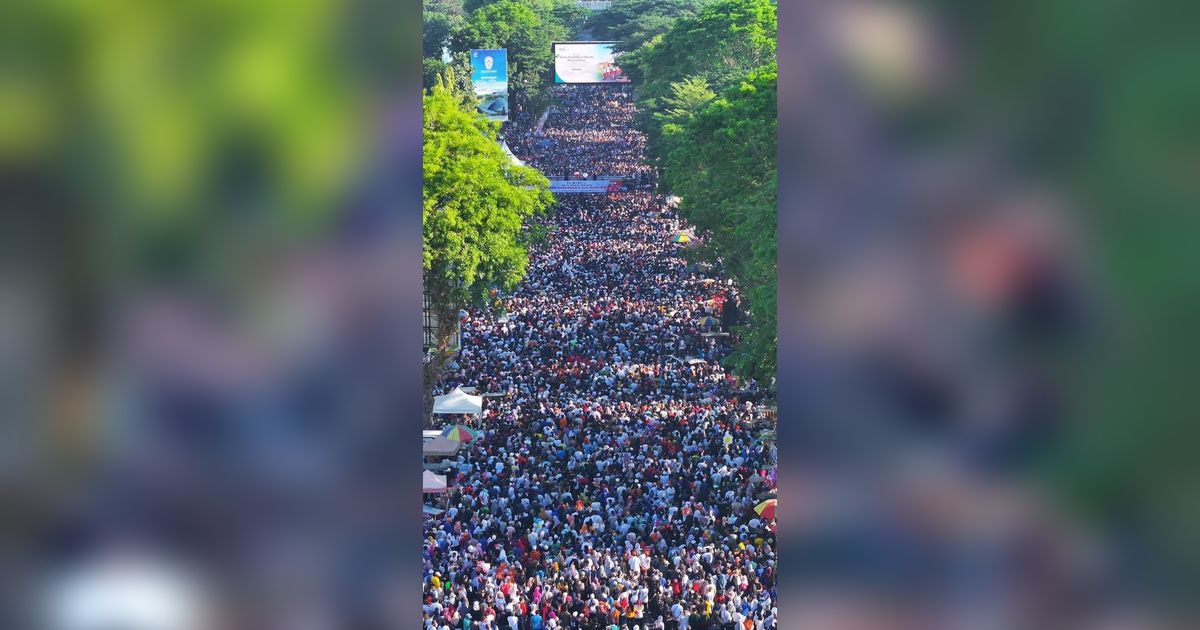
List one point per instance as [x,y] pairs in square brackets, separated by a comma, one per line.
[489,73]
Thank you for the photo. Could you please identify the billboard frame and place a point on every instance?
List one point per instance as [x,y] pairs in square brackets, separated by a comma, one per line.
[554,60]
[481,96]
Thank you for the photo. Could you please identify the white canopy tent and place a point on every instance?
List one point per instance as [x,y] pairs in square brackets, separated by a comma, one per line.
[458,402]
[433,483]
[510,154]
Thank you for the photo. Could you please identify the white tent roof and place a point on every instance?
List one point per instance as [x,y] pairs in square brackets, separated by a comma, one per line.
[457,401]
[433,482]
[511,156]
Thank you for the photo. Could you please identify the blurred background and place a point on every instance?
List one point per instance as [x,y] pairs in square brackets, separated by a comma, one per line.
[986,314]
[209,349]
[209,327]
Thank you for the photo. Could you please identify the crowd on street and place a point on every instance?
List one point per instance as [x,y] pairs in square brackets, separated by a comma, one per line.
[588,133]
[614,484]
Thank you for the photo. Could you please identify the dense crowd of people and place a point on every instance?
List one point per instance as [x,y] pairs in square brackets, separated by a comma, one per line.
[588,133]
[614,483]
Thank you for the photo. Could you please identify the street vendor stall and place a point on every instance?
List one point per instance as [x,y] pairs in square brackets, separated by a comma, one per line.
[433,483]
[439,448]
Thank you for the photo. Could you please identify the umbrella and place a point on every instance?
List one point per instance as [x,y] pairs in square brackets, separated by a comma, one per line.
[680,238]
[459,433]
[766,509]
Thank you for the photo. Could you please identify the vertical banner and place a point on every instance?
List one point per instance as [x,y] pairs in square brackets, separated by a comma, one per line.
[489,73]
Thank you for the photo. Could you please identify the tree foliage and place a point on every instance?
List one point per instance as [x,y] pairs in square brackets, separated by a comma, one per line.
[455,8]
[724,41]
[705,75]
[720,160]
[687,98]
[526,28]
[456,76]
[438,31]
[632,23]
[181,123]
[475,202]
[474,205]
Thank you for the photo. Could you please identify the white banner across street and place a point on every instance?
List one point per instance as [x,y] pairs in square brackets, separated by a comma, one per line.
[585,185]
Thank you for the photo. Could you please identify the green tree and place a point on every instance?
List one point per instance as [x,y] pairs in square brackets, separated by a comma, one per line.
[471,6]
[720,44]
[474,205]
[632,23]
[456,76]
[721,163]
[687,98]
[526,28]
[183,124]
[438,30]
[717,154]
[569,15]
[454,8]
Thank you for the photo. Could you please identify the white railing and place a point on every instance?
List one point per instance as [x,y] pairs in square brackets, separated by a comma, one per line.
[595,5]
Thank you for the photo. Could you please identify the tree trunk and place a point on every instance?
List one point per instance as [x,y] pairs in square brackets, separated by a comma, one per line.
[445,309]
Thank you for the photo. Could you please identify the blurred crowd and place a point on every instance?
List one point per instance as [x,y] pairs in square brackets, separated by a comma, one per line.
[615,482]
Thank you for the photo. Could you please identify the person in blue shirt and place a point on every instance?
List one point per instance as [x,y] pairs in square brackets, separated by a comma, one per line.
[536,622]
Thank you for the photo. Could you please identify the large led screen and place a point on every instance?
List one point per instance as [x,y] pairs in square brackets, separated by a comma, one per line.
[586,62]
[489,73]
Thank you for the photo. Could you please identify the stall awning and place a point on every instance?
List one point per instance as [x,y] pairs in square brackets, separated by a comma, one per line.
[432,482]
[440,447]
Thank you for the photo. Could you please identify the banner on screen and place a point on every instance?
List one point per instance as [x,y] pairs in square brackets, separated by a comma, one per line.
[586,186]
[489,73]
[586,62]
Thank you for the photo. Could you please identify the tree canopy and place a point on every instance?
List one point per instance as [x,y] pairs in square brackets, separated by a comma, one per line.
[526,28]
[474,203]
[632,23]
[724,41]
[720,160]
[705,75]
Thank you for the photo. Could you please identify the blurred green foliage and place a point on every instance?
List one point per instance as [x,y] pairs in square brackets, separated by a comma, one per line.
[175,123]
[1101,100]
